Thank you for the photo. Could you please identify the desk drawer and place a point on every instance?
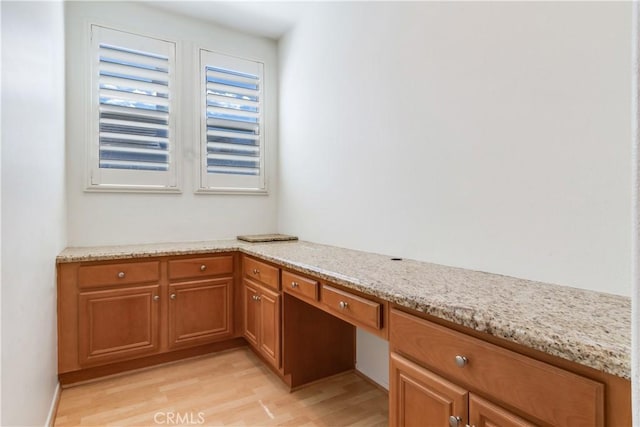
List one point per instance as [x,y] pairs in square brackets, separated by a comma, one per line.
[261,272]
[300,286]
[361,310]
[550,394]
[200,267]
[93,276]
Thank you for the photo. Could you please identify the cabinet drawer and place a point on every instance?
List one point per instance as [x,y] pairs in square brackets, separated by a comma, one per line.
[261,272]
[200,267]
[551,395]
[94,276]
[361,310]
[300,286]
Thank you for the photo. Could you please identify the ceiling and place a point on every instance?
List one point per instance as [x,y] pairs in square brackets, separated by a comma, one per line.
[262,18]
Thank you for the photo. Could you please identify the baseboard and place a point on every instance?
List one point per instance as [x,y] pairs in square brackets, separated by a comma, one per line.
[371,381]
[320,380]
[53,410]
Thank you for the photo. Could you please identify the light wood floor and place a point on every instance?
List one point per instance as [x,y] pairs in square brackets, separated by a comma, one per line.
[229,388]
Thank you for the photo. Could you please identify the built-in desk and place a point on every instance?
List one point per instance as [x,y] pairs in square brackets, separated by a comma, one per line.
[325,291]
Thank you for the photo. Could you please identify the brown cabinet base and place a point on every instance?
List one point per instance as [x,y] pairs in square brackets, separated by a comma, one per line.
[123,314]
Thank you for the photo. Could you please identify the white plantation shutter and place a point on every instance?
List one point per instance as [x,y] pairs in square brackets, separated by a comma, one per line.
[133,111]
[232,123]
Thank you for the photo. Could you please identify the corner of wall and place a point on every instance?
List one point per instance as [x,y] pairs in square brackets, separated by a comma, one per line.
[635,190]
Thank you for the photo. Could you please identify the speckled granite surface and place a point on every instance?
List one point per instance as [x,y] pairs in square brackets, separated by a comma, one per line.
[102,253]
[587,327]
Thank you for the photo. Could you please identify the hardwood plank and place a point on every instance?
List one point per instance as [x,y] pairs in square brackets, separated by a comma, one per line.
[229,388]
[90,374]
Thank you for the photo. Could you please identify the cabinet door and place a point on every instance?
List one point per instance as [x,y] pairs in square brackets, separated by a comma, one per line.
[270,326]
[199,312]
[418,397]
[251,312]
[485,414]
[118,324]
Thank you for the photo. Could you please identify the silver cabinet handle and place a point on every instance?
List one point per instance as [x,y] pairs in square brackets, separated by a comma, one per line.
[343,305]
[121,275]
[156,297]
[256,297]
[454,421]
[294,284]
[256,271]
[173,296]
[203,267]
[461,361]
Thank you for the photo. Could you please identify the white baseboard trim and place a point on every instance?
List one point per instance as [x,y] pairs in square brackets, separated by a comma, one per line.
[379,384]
[51,417]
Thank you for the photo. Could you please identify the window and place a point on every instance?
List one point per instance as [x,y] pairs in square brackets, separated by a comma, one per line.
[133,130]
[232,148]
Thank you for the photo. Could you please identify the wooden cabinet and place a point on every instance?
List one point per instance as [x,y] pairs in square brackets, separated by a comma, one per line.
[118,311]
[300,286]
[117,274]
[258,271]
[262,321]
[200,300]
[200,311]
[124,314]
[361,311]
[118,324]
[262,308]
[541,393]
[269,303]
[483,413]
[419,397]
[113,312]
[195,268]
[251,308]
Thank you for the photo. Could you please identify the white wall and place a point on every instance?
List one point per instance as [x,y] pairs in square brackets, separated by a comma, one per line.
[490,136]
[635,196]
[33,205]
[120,218]
[372,358]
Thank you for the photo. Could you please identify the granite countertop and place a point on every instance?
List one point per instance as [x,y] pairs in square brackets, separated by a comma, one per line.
[104,253]
[590,328]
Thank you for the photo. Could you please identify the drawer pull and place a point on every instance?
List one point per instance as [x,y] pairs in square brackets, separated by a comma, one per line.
[256,271]
[294,285]
[256,297]
[461,361]
[173,296]
[156,297]
[454,421]
[343,305]
[121,275]
[203,267]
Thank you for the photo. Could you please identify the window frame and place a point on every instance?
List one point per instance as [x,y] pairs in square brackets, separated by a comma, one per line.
[121,180]
[202,178]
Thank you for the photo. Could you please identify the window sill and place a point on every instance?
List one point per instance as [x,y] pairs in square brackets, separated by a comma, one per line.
[233,191]
[132,189]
